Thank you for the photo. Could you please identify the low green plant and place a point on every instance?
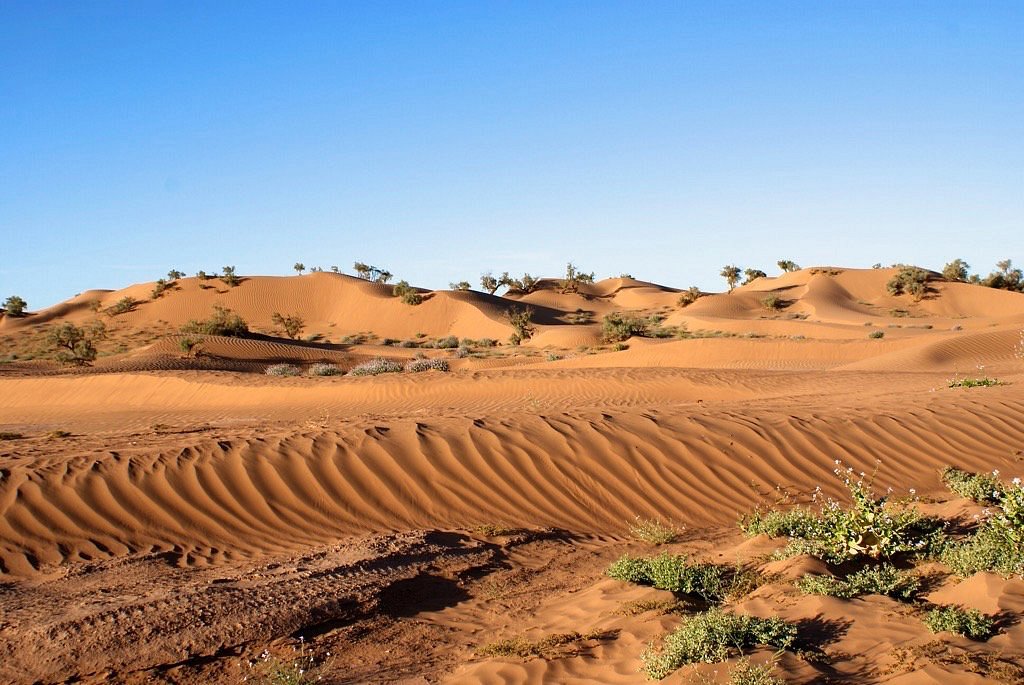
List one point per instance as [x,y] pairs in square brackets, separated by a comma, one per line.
[222,322]
[983,382]
[983,488]
[772,301]
[998,542]
[795,522]
[15,306]
[406,293]
[876,335]
[618,327]
[303,669]
[420,365]
[674,573]
[713,636]
[967,622]
[745,672]
[883,579]
[653,531]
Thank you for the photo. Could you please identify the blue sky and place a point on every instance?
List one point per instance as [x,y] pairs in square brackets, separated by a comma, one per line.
[444,139]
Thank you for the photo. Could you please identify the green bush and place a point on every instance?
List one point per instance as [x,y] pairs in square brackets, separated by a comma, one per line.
[230,278]
[911,280]
[653,531]
[984,382]
[123,306]
[574,278]
[15,306]
[689,296]
[522,324]
[876,335]
[713,636]
[983,488]
[618,327]
[998,543]
[222,321]
[967,622]
[772,301]
[796,522]
[884,579]
[407,293]
[292,324]
[76,345]
[672,572]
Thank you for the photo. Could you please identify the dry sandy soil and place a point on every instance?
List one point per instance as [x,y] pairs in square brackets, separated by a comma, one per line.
[193,520]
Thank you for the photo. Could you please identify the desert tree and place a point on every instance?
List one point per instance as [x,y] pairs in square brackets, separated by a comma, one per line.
[335,269]
[76,345]
[956,270]
[15,306]
[731,274]
[291,323]
[159,288]
[489,283]
[174,275]
[190,346]
[373,274]
[299,267]
[752,275]
[522,323]
[910,280]
[689,296]
[788,265]
[461,285]
[230,277]
[222,321]
[574,278]
[1006,278]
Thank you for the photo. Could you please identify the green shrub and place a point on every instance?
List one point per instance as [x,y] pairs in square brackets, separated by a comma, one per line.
[15,306]
[292,324]
[230,278]
[713,636]
[731,274]
[618,327]
[222,321]
[956,270]
[574,278]
[772,301]
[796,522]
[967,622]
[911,280]
[672,572]
[653,531]
[876,335]
[461,285]
[283,370]
[189,345]
[689,296]
[522,324]
[983,488]
[752,275]
[884,579]
[407,293]
[747,673]
[76,345]
[419,365]
[984,382]
[447,343]
[123,306]
[998,542]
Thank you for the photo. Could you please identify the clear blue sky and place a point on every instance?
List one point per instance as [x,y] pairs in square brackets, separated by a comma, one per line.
[444,139]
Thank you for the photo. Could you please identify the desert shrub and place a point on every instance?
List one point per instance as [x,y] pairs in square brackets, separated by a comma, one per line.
[418,365]
[15,306]
[409,344]
[447,343]
[998,542]
[876,335]
[788,265]
[159,288]
[222,321]
[771,301]
[672,572]
[797,522]
[689,296]
[524,649]
[174,275]
[618,327]
[372,273]
[574,278]
[283,370]
[747,673]
[731,274]
[653,531]
[1006,278]
[407,293]
[123,306]
[983,382]
[967,622]
[375,367]
[910,280]
[189,345]
[983,488]
[713,636]
[883,579]
[869,527]
[292,324]
[522,324]
[76,345]
[956,270]
[299,267]
[489,283]
[390,341]
[461,285]
[230,278]
[10,435]
[322,369]
[752,275]
[486,342]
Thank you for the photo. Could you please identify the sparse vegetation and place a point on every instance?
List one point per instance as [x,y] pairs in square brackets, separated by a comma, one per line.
[752,275]
[489,283]
[222,322]
[883,579]
[324,369]
[292,324]
[372,273]
[713,636]
[983,488]
[407,293]
[653,531]
[14,306]
[461,285]
[159,288]
[299,267]
[1006,277]
[956,270]
[745,672]
[525,649]
[174,275]
[447,343]
[419,365]
[123,306]
[983,382]
[618,327]
[229,276]
[997,544]
[772,301]
[967,622]
[522,324]
[674,573]
[876,335]
[788,265]
[689,296]
[76,345]
[189,346]
[574,278]
[283,370]
[375,367]
[910,280]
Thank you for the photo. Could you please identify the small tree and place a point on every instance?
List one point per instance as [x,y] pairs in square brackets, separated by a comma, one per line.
[174,275]
[335,269]
[689,296]
[299,267]
[292,324]
[618,327]
[574,278]
[222,321]
[407,293]
[489,283]
[159,288]
[788,265]
[123,306]
[527,284]
[371,273]
[911,280]
[461,285]
[956,270]
[229,277]
[752,275]
[15,306]
[731,274]
[1006,278]
[76,345]
[522,324]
